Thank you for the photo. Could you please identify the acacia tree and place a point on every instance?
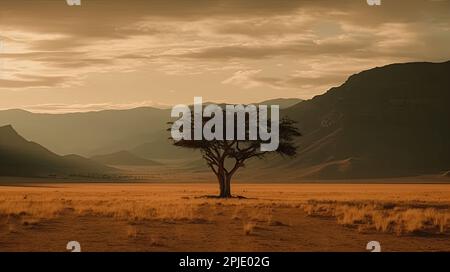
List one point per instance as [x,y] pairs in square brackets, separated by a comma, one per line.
[225,157]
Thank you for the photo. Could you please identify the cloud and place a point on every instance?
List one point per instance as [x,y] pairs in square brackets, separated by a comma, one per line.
[298,48]
[49,44]
[244,79]
[255,78]
[32,81]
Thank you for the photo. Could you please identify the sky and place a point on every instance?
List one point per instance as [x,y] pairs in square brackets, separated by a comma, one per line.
[123,54]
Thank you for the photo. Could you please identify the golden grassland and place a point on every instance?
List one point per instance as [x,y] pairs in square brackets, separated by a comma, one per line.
[402,210]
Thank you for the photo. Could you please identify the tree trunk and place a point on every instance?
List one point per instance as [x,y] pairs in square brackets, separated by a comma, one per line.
[225,185]
[228,186]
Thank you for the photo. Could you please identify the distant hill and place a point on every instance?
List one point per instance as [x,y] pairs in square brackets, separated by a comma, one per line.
[123,158]
[102,132]
[284,103]
[88,133]
[19,157]
[161,148]
[384,122]
[389,121]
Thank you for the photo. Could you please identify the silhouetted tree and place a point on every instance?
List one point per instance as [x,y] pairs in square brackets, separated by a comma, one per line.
[219,154]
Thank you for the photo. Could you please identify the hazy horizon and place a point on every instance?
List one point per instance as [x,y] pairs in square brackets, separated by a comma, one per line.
[119,107]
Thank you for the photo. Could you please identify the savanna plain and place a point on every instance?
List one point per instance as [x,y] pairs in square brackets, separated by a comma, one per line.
[184,217]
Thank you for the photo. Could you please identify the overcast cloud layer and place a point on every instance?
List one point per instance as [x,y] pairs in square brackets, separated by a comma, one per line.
[115,54]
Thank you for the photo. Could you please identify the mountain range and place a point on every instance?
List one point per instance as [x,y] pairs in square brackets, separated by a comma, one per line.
[388,121]
[384,122]
[19,157]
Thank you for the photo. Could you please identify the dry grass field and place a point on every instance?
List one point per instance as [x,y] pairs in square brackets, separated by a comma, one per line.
[178,217]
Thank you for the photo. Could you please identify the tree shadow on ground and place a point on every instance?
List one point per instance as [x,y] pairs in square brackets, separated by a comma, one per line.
[218,197]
